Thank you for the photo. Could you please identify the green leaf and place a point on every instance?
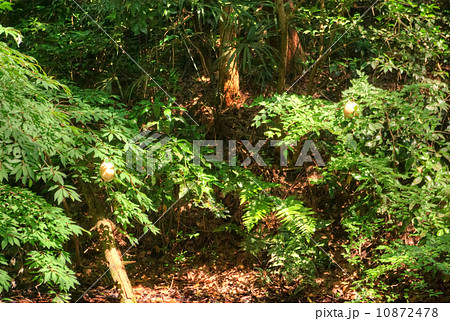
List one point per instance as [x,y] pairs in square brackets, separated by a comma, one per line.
[416,181]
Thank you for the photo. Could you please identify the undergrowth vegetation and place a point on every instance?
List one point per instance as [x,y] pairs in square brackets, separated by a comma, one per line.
[391,165]
[378,207]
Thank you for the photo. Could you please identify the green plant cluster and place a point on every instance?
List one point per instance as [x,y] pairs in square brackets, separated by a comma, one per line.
[387,171]
[393,40]
[389,167]
[33,233]
[52,144]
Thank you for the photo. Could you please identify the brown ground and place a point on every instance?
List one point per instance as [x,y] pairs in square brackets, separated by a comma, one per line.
[209,282]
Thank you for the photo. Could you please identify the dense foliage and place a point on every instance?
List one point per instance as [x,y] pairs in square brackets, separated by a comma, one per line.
[385,188]
[391,166]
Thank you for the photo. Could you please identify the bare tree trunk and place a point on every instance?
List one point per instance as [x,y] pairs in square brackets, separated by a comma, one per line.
[113,256]
[283,46]
[202,47]
[75,239]
[295,52]
[315,68]
[228,67]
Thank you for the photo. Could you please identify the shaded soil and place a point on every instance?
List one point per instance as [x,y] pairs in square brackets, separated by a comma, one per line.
[222,281]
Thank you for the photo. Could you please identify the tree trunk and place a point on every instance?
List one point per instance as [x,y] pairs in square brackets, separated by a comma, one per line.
[283,46]
[228,66]
[315,68]
[295,52]
[75,240]
[203,48]
[113,256]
